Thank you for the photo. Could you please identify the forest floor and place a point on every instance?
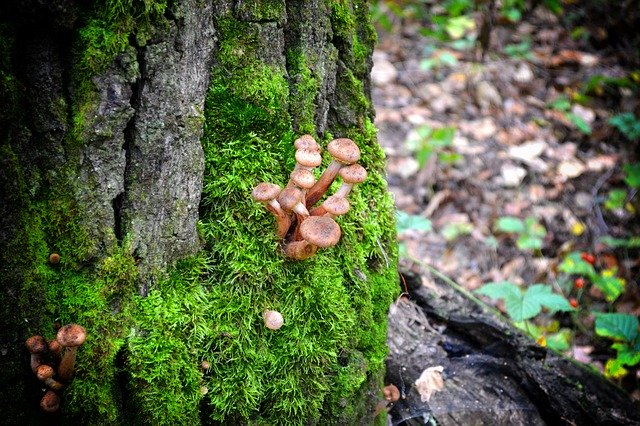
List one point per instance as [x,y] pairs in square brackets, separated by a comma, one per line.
[508,169]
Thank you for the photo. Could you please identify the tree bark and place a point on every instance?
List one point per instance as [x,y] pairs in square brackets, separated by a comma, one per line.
[132,134]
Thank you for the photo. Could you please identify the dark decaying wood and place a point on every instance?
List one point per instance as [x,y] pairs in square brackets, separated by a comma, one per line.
[492,373]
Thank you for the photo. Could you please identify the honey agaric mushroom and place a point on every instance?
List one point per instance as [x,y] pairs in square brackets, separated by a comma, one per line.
[391,393]
[54,258]
[50,402]
[344,152]
[55,350]
[307,159]
[302,178]
[70,336]
[37,346]
[266,193]
[333,206]
[299,250]
[315,231]
[350,175]
[290,200]
[272,319]
[306,142]
[45,374]
[321,231]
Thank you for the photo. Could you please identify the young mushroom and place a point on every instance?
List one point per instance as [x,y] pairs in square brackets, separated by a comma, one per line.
[306,142]
[272,319]
[350,175]
[45,374]
[70,336]
[50,402]
[290,200]
[302,178]
[266,193]
[316,231]
[37,346]
[333,206]
[344,152]
[307,159]
[391,393]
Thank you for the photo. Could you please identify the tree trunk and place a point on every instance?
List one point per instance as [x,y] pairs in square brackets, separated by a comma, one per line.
[132,134]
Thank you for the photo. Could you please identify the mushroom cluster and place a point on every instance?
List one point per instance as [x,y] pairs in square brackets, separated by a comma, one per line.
[303,226]
[51,366]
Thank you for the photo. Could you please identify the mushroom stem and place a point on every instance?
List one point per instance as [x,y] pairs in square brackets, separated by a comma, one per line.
[283,221]
[70,336]
[299,250]
[37,346]
[45,374]
[65,369]
[323,183]
[344,190]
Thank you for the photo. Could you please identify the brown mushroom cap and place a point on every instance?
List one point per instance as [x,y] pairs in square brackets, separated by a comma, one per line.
[306,142]
[308,158]
[265,191]
[37,344]
[303,178]
[54,258]
[71,335]
[354,173]
[44,372]
[336,206]
[391,393]
[50,402]
[321,231]
[344,150]
[289,198]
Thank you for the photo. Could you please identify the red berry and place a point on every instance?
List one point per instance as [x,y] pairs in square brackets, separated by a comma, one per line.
[588,257]
[578,282]
[573,302]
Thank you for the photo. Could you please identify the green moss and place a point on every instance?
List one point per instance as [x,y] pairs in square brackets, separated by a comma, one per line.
[304,90]
[262,10]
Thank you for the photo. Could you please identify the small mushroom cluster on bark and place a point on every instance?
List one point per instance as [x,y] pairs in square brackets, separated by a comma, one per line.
[53,362]
[303,226]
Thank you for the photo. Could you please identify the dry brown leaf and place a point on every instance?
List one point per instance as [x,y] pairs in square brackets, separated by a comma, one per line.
[430,382]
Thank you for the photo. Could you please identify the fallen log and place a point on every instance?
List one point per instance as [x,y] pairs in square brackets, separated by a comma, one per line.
[481,370]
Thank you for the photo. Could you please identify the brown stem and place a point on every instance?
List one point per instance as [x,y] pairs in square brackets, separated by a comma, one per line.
[283,222]
[299,250]
[326,179]
[65,369]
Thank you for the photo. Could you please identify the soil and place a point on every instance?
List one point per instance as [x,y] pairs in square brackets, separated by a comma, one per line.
[513,154]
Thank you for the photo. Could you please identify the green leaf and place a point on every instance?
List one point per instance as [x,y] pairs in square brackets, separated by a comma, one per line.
[534,228]
[573,264]
[579,122]
[509,224]
[543,294]
[504,290]
[561,103]
[611,285]
[632,172]
[452,231]
[560,341]
[615,199]
[633,242]
[529,242]
[617,326]
[627,124]
[405,221]
[458,26]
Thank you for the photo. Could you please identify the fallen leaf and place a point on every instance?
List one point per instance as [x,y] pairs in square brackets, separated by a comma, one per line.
[512,175]
[528,151]
[570,169]
[430,382]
